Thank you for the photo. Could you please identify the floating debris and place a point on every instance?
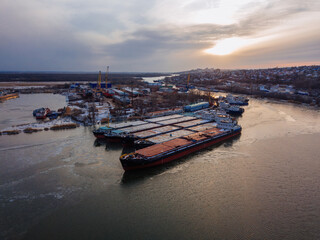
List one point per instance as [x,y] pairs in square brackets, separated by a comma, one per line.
[64,126]
[10,132]
[40,126]
[31,130]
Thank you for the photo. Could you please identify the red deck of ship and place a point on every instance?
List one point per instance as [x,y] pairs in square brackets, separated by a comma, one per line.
[212,132]
[162,147]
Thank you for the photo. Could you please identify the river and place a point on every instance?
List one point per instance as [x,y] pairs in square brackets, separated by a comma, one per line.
[263,185]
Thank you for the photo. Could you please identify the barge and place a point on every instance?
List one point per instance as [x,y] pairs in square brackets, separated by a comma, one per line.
[99,133]
[163,118]
[240,101]
[128,133]
[142,143]
[165,152]
[120,134]
[6,96]
[231,109]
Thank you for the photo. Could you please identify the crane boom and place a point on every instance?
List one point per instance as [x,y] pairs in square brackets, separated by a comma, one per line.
[99,80]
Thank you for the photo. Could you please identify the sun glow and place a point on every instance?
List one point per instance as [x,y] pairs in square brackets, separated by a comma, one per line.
[228,46]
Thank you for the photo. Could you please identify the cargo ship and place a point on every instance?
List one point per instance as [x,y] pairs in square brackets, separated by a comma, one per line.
[129,132]
[147,141]
[124,128]
[121,135]
[101,131]
[165,152]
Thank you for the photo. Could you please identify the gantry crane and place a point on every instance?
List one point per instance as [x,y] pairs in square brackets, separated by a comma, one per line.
[99,81]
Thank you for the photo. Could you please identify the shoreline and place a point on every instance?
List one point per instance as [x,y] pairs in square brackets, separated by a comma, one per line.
[22,84]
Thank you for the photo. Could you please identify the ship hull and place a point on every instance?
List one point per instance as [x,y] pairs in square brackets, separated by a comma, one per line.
[142,145]
[239,103]
[99,136]
[114,139]
[128,166]
[235,113]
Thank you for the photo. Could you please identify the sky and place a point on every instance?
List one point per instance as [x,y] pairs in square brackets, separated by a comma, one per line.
[157,35]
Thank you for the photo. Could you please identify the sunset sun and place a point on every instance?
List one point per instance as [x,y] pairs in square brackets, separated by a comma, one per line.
[228,46]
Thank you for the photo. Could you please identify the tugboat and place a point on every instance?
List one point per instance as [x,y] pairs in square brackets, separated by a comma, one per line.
[235,110]
[42,113]
[240,101]
[231,109]
[37,110]
[99,133]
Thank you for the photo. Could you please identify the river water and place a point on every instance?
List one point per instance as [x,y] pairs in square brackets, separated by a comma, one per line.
[263,185]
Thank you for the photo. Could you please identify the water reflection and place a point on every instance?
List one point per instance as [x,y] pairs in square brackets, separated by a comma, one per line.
[109,146]
[130,178]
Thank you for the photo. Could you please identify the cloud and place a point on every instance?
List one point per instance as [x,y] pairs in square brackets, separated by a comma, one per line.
[151,35]
[35,36]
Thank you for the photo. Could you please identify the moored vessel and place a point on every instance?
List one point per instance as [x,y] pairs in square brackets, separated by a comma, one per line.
[231,109]
[42,114]
[6,96]
[240,101]
[101,131]
[165,152]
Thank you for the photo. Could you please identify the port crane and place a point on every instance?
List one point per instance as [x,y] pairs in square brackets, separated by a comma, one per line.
[99,81]
[106,79]
[107,73]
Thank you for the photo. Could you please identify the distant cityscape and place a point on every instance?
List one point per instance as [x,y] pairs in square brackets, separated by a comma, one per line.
[301,84]
[296,84]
